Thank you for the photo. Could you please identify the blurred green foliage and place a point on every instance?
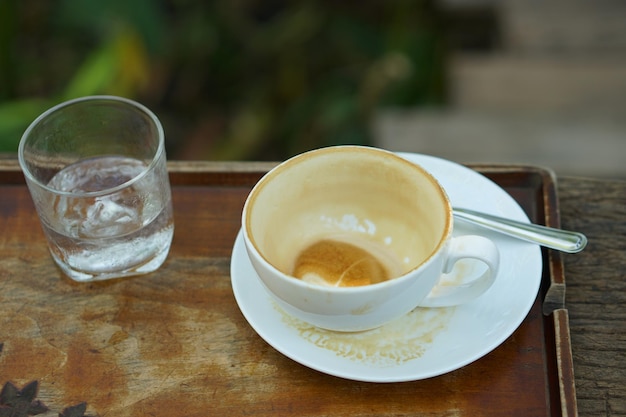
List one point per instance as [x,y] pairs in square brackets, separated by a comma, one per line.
[230,79]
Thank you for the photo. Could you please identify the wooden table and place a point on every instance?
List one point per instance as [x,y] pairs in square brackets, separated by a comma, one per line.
[111,348]
[596,292]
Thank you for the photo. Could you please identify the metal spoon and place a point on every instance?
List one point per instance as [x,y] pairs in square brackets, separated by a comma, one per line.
[562,240]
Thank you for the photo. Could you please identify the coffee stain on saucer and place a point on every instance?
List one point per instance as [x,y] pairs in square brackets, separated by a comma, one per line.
[400,341]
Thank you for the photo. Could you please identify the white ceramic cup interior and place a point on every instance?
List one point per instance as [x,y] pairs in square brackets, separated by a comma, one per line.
[370,199]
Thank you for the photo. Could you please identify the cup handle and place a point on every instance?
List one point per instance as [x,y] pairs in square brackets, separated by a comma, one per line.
[463,247]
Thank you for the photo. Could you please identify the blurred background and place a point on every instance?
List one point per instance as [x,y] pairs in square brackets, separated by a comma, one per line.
[497,81]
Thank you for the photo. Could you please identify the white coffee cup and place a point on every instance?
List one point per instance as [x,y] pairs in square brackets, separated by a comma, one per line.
[348,238]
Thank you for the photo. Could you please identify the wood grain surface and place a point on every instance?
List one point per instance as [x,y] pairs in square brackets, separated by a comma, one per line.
[596,292]
[175,343]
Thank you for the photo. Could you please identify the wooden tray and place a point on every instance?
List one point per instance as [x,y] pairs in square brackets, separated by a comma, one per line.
[174,343]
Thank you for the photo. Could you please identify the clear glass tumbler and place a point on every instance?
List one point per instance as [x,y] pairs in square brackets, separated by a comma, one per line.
[96,170]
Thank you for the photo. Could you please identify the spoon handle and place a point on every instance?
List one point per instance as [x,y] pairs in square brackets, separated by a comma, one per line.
[562,240]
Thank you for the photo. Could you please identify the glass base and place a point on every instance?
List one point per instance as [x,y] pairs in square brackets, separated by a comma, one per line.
[146,267]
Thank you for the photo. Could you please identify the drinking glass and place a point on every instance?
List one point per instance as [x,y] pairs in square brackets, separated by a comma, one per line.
[96,171]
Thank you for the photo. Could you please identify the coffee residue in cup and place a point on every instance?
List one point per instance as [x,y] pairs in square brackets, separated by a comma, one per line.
[339,264]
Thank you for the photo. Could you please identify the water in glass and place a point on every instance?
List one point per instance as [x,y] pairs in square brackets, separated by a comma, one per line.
[128,228]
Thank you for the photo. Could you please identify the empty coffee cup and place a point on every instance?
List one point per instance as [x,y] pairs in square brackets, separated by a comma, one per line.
[348,238]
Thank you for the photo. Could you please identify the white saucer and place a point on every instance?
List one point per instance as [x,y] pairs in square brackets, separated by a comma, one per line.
[426,342]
